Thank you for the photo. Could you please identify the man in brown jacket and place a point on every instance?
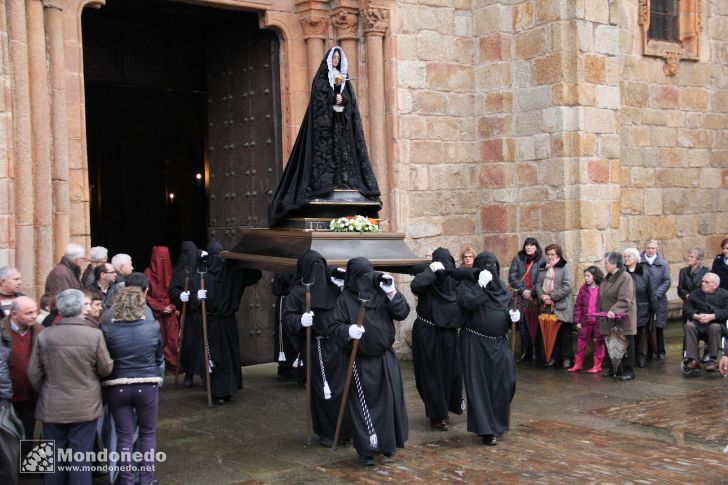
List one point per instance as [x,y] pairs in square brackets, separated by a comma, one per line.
[19,332]
[617,296]
[67,273]
[69,400]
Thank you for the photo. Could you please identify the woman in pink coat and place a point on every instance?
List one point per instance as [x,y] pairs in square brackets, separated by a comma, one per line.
[586,304]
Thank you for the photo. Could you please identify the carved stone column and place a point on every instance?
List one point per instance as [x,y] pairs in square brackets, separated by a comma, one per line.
[40,113]
[346,26]
[59,128]
[376,22]
[22,144]
[315,24]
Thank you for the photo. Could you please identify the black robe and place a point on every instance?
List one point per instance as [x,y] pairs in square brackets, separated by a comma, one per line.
[191,355]
[435,352]
[225,284]
[330,151]
[489,369]
[329,364]
[376,397]
[286,345]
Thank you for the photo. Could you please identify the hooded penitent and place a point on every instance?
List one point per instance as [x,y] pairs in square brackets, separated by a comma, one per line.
[159,274]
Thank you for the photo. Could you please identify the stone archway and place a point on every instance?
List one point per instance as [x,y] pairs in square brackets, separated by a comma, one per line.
[47,146]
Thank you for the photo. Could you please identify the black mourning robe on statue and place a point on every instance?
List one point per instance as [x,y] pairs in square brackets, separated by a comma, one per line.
[489,369]
[435,352]
[376,398]
[191,355]
[330,151]
[225,284]
[329,364]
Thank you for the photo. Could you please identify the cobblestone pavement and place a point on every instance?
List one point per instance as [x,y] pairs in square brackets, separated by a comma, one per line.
[659,428]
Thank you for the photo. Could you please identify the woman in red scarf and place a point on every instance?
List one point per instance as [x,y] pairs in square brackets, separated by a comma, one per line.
[522,277]
[159,273]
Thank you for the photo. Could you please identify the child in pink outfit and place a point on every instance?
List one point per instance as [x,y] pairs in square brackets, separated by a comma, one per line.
[586,304]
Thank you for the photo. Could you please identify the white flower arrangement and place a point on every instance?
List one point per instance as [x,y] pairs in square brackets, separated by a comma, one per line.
[354,224]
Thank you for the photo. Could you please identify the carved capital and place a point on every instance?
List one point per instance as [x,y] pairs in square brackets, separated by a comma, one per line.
[346,22]
[672,62]
[376,21]
[314,27]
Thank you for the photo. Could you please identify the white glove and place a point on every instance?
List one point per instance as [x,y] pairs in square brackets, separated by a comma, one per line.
[184,296]
[484,278]
[387,288]
[435,266]
[307,319]
[355,332]
[201,294]
[338,282]
[515,315]
[203,254]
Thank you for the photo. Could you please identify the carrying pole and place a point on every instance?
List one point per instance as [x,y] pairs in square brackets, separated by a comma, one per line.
[347,383]
[181,327]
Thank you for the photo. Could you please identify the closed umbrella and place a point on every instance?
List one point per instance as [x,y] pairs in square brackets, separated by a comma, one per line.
[550,325]
[615,342]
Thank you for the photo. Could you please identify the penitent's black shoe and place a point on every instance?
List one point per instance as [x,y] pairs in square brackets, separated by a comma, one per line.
[188,380]
[627,376]
[367,460]
[489,440]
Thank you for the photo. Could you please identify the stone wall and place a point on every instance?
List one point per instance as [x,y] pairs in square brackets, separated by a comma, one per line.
[518,136]
[675,142]
[436,167]
[543,118]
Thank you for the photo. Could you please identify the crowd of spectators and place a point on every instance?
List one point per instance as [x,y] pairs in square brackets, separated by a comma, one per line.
[94,330]
[90,344]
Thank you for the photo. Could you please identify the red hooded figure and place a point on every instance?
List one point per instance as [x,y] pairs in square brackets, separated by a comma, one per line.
[159,274]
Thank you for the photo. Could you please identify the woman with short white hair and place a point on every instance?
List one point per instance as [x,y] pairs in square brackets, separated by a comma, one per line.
[643,295]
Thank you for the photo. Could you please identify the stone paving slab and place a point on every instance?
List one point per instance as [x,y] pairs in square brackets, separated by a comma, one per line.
[702,414]
[542,451]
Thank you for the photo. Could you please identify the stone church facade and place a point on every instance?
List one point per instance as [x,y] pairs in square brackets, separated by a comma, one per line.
[487,121]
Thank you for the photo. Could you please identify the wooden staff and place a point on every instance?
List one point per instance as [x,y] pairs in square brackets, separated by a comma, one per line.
[309,431]
[181,327]
[347,383]
[205,341]
[514,295]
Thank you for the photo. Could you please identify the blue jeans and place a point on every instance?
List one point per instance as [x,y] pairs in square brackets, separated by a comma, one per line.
[77,437]
[126,401]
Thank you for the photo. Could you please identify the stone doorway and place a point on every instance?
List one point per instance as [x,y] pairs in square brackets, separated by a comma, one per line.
[183,134]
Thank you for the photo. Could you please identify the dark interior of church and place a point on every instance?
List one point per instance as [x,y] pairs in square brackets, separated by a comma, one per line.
[145,96]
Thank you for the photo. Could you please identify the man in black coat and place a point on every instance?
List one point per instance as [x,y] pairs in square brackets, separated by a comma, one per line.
[707,311]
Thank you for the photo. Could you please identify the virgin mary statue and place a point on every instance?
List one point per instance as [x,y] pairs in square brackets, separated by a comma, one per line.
[330,151]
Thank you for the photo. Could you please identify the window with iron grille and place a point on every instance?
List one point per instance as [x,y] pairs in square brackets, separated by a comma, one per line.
[664,17]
